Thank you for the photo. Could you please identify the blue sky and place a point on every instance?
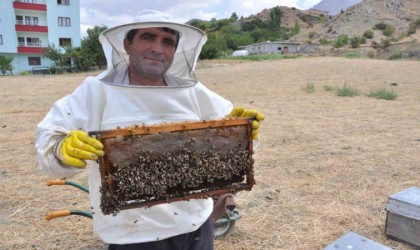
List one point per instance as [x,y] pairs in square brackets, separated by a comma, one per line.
[112,13]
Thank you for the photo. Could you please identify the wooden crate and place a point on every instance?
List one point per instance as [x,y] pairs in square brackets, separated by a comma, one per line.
[403,216]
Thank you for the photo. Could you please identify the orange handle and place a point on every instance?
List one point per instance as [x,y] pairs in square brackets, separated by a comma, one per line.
[56,182]
[56,214]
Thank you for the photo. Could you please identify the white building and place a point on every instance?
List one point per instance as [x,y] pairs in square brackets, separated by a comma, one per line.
[273,48]
[28,26]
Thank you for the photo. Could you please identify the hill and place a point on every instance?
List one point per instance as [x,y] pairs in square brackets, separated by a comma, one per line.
[333,7]
[364,16]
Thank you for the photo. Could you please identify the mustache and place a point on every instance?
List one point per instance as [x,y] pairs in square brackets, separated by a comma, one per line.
[154,56]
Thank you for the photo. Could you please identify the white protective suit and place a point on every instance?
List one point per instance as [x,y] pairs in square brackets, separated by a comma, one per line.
[107,101]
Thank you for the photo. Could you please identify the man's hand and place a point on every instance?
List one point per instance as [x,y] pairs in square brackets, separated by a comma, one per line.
[77,147]
[252,113]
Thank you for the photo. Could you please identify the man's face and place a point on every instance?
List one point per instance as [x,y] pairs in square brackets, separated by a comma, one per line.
[151,52]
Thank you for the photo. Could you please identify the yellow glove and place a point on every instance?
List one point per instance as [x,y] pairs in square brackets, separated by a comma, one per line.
[77,147]
[252,113]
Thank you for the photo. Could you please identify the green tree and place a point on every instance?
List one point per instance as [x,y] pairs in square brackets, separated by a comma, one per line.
[58,57]
[275,18]
[6,64]
[91,49]
[214,47]
[234,17]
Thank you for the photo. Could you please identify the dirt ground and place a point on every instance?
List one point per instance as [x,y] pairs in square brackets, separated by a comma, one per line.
[325,166]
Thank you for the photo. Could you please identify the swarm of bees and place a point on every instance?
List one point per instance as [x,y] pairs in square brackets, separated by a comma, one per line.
[196,165]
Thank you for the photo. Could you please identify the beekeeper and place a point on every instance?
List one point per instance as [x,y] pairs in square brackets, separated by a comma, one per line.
[149,80]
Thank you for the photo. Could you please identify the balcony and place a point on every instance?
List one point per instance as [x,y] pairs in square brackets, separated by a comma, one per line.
[31,48]
[31,26]
[37,5]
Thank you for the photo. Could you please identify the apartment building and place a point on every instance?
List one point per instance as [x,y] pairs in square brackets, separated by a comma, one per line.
[28,26]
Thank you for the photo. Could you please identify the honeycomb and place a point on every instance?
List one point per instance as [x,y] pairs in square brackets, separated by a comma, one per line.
[149,165]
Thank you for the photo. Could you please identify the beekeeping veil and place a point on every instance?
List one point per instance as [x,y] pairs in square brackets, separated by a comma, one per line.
[189,47]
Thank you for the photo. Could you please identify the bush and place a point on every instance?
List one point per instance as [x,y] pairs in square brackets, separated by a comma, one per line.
[380,26]
[25,73]
[412,28]
[389,30]
[324,41]
[342,40]
[347,91]
[355,42]
[309,88]
[383,94]
[368,34]
[371,54]
[311,34]
[395,56]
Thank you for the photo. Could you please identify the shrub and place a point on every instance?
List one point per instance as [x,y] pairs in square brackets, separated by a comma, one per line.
[347,91]
[342,40]
[383,94]
[355,42]
[25,73]
[395,56]
[368,34]
[389,30]
[312,34]
[380,26]
[324,41]
[309,88]
[371,54]
[412,28]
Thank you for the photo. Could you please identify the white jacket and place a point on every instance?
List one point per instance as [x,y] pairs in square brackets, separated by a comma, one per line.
[96,105]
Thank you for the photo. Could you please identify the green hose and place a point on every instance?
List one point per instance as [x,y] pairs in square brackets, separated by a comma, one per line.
[74,184]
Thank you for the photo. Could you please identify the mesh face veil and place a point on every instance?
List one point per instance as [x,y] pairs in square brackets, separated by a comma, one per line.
[189,47]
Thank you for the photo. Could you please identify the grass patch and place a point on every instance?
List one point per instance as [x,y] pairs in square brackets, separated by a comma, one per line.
[383,94]
[328,88]
[309,88]
[347,91]
[352,54]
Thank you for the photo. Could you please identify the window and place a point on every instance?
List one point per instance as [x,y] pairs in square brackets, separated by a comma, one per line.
[64,21]
[1,39]
[63,2]
[19,19]
[34,61]
[33,42]
[65,41]
[31,20]
[279,48]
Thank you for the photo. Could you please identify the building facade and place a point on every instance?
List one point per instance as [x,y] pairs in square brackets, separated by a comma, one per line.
[273,48]
[29,26]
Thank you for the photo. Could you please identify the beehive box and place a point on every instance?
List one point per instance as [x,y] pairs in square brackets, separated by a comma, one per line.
[355,241]
[149,165]
[403,216]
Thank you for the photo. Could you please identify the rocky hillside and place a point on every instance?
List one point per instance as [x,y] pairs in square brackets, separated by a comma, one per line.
[333,7]
[357,19]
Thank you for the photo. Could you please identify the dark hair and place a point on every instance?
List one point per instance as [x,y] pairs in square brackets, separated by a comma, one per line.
[132,33]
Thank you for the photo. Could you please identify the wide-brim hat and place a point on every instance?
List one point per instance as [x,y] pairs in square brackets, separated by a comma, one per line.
[191,41]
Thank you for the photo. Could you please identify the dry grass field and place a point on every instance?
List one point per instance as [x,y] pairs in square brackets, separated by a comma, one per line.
[326,164]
